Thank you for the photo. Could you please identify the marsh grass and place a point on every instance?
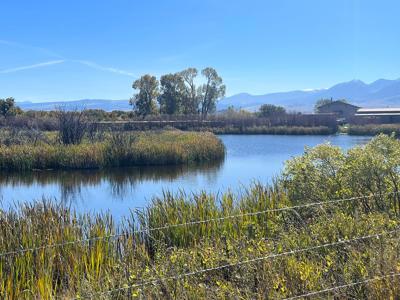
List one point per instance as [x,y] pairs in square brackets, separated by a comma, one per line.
[88,268]
[275,130]
[114,150]
[374,129]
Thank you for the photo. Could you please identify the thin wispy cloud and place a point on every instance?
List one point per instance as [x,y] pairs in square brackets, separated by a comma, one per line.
[30,47]
[103,68]
[62,59]
[34,66]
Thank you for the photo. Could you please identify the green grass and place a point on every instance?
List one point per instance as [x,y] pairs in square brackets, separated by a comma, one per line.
[113,150]
[324,173]
[84,269]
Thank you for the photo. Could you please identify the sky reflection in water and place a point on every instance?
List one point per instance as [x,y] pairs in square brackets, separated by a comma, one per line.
[249,158]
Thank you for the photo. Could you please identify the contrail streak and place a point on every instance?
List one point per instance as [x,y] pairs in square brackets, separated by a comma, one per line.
[103,68]
[34,66]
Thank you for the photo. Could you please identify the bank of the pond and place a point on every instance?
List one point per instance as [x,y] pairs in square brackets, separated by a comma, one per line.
[248,158]
[273,130]
[374,129]
[115,150]
[242,246]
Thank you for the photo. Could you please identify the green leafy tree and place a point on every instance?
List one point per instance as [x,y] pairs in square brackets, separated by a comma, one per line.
[172,95]
[8,107]
[144,102]
[190,101]
[211,91]
[269,110]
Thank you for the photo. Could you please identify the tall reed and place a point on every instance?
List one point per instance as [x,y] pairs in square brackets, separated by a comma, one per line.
[89,268]
[115,149]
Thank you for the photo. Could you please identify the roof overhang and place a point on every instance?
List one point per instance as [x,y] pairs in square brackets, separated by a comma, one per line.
[378,114]
[387,111]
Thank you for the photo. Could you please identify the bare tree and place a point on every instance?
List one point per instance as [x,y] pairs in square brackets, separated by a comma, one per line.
[72,126]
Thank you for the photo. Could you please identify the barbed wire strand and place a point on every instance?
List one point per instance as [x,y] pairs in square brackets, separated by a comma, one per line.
[310,294]
[248,261]
[191,223]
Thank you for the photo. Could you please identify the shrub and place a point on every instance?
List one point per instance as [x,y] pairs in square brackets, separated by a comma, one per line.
[325,172]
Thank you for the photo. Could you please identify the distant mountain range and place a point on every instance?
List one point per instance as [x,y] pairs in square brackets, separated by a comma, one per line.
[380,93]
[107,105]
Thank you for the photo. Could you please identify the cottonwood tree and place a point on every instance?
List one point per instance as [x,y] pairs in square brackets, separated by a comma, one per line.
[269,110]
[144,102]
[211,91]
[172,95]
[178,93]
[190,101]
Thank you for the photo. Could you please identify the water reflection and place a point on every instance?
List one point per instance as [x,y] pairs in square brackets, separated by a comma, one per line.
[119,183]
[249,158]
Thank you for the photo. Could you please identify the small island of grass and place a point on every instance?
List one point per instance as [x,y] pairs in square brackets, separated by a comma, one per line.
[44,150]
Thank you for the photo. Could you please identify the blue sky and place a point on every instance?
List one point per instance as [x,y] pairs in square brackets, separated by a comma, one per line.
[67,50]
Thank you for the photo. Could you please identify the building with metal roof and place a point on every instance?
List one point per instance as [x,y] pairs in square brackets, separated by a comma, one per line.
[378,112]
[379,115]
[341,109]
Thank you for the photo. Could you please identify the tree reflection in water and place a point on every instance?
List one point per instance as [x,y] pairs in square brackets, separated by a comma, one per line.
[121,181]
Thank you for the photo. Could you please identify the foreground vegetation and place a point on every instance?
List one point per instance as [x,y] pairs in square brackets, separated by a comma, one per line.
[27,150]
[143,263]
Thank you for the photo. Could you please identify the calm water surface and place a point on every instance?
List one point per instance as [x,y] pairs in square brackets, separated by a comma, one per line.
[249,158]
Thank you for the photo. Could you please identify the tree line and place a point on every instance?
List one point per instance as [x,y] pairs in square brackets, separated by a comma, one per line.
[178,93]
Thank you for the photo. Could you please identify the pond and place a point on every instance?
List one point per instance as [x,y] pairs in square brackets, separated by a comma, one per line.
[249,158]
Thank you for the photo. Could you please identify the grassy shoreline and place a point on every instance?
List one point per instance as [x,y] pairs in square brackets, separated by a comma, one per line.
[91,269]
[275,130]
[374,129]
[115,150]
[130,254]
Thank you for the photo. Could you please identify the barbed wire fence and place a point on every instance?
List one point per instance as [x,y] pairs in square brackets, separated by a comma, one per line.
[185,224]
[253,260]
[236,264]
[343,286]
